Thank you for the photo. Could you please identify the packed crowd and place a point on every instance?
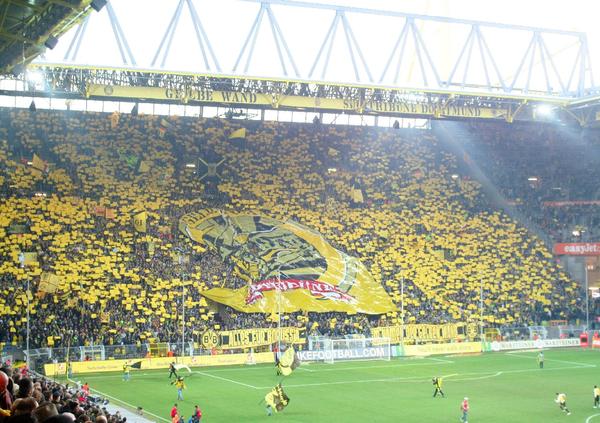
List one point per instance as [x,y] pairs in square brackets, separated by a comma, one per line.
[26,398]
[417,229]
[548,172]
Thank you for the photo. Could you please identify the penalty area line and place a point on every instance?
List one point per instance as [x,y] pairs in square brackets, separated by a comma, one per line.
[227,380]
[347,382]
[455,377]
[552,359]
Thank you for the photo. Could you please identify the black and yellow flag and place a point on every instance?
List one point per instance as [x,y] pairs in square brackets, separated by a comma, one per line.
[48,283]
[136,365]
[114,120]
[144,167]
[277,398]
[238,134]
[139,221]
[38,166]
[28,259]
[357,195]
[289,361]
[163,127]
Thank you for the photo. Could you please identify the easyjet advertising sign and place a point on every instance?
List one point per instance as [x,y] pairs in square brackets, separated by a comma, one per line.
[578,249]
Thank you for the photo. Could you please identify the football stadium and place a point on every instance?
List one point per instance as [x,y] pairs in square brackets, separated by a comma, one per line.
[299,211]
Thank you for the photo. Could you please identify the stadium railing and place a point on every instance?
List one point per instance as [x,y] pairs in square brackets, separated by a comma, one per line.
[41,356]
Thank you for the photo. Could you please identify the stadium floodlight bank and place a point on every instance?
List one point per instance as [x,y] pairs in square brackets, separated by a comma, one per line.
[334,350]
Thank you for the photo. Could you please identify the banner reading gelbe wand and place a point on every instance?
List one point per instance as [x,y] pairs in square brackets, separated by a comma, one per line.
[287,266]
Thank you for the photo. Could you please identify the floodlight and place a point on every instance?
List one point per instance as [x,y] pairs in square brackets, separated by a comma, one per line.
[51,42]
[97,5]
[544,110]
[35,78]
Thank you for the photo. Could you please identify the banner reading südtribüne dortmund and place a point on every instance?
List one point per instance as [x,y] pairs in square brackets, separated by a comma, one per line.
[287,266]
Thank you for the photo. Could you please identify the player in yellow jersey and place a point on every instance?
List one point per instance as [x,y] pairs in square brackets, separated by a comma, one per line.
[180,385]
[437,384]
[561,400]
[126,372]
[596,396]
[540,359]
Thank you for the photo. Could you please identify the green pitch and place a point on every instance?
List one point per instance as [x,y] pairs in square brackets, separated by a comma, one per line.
[502,387]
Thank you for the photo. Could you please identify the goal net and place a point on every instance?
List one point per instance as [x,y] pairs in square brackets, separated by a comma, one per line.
[356,349]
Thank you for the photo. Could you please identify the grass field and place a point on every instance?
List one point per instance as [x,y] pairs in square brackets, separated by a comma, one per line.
[502,387]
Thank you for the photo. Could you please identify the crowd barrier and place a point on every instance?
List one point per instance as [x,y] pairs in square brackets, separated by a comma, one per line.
[446,348]
[80,367]
[366,353]
[535,344]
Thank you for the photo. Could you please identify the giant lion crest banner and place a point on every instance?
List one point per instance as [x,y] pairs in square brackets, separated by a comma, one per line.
[286,266]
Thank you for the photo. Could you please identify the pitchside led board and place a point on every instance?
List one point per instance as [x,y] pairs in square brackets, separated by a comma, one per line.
[288,266]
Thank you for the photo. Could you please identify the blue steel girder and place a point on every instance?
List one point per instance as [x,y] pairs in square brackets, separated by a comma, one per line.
[582,70]
[401,39]
[202,38]
[281,45]
[537,72]
[125,51]
[168,34]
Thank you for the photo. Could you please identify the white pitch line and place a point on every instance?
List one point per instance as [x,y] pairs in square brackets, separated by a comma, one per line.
[477,378]
[316,368]
[440,360]
[347,382]
[306,370]
[589,419]
[227,380]
[553,359]
[499,373]
[483,375]
[340,369]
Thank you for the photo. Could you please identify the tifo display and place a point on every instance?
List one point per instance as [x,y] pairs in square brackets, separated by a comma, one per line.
[261,260]
[108,265]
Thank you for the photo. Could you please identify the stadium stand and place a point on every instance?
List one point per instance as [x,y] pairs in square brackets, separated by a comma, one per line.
[71,183]
[540,168]
[28,397]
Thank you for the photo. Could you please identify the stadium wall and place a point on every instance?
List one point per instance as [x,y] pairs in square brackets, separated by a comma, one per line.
[77,367]
[80,367]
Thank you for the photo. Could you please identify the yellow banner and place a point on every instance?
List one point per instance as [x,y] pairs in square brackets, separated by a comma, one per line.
[432,349]
[207,95]
[28,259]
[139,221]
[291,267]
[425,332]
[59,369]
[249,338]
[48,282]
[238,133]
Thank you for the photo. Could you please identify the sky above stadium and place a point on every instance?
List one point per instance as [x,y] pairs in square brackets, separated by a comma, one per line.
[227,23]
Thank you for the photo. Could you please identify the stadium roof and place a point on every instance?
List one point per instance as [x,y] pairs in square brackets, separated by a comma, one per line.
[341,43]
[27,25]
[368,56]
